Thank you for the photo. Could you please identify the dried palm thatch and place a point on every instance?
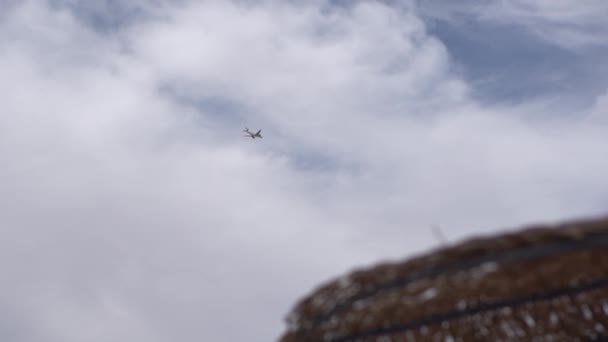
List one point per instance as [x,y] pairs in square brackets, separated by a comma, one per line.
[539,284]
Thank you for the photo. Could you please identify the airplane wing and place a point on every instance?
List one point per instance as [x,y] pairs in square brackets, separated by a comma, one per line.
[258,132]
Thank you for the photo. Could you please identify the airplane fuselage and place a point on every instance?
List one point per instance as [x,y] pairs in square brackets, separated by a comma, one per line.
[253,135]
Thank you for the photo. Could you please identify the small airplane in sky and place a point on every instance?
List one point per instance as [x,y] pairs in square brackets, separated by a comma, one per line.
[252,135]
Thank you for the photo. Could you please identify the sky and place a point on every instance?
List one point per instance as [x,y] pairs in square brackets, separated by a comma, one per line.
[133,209]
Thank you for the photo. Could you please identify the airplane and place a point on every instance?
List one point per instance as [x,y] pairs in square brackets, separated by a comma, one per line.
[252,135]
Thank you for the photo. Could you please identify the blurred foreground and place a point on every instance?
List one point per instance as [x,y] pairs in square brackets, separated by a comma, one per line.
[545,283]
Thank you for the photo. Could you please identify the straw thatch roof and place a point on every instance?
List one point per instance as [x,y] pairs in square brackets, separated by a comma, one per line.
[545,283]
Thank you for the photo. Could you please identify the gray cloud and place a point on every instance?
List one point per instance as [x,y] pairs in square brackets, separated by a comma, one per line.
[516,51]
[566,23]
[132,210]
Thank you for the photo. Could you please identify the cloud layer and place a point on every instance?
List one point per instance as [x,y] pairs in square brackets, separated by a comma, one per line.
[133,210]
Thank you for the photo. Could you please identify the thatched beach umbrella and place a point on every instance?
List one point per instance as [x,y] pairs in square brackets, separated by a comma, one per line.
[543,283]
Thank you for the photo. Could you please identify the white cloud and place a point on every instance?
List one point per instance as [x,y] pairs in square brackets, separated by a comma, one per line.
[133,211]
